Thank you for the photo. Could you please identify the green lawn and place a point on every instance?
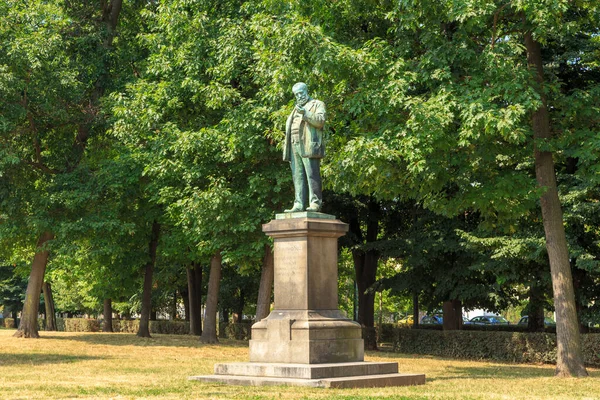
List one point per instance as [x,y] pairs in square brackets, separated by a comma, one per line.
[122,366]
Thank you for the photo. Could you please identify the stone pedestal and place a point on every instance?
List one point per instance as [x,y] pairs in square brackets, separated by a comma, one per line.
[306,325]
[306,340]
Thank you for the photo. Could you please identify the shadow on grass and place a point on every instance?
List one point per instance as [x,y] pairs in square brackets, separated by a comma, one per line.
[43,359]
[508,372]
[489,369]
[130,339]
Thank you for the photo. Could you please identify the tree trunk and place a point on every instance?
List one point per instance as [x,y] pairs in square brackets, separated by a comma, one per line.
[452,315]
[569,359]
[144,329]
[194,279]
[579,276]
[223,322]
[107,327]
[173,313]
[365,267]
[28,327]
[535,313]
[415,310]
[380,314]
[209,333]
[263,304]
[49,303]
[238,315]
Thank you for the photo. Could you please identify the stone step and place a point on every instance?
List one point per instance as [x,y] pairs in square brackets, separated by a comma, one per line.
[348,382]
[383,380]
[306,371]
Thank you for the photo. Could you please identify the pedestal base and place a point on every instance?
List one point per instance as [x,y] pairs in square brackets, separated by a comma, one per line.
[338,375]
[306,337]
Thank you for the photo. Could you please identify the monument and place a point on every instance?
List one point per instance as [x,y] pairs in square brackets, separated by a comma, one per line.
[306,340]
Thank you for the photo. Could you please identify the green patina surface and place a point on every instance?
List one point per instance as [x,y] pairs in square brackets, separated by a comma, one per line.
[304,214]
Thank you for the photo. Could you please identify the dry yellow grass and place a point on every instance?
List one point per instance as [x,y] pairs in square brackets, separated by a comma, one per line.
[64,365]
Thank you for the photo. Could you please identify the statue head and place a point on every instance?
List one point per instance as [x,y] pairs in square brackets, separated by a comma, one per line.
[300,90]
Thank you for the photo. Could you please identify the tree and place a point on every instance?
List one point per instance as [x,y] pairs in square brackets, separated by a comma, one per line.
[28,326]
[265,291]
[569,359]
[50,114]
[49,305]
[144,328]
[442,267]
[194,281]
[209,333]
[461,95]
[107,315]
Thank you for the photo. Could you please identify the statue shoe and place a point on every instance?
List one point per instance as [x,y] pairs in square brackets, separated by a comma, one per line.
[314,207]
[295,208]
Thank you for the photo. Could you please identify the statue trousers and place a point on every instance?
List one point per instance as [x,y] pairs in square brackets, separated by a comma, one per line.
[307,178]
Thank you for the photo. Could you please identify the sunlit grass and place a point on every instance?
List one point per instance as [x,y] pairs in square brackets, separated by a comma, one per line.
[123,366]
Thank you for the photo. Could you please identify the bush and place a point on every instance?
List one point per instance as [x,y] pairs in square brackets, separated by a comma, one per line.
[504,328]
[430,327]
[81,325]
[485,328]
[238,331]
[60,324]
[169,327]
[160,326]
[522,347]
[125,325]
[386,333]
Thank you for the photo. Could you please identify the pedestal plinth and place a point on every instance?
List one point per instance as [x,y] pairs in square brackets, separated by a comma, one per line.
[306,340]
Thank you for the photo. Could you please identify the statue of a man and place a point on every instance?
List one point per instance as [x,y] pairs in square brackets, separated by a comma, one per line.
[304,148]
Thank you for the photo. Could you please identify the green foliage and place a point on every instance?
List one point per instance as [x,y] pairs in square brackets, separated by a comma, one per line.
[12,290]
[435,262]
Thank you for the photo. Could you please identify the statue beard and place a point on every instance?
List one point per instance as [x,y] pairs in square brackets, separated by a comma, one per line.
[303,102]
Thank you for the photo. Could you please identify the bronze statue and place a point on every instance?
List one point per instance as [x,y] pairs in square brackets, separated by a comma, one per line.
[304,148]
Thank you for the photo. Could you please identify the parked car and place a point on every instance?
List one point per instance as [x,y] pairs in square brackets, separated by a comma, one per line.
[466,321]
[432,319]
[547,321]
[406,321]
[489,320]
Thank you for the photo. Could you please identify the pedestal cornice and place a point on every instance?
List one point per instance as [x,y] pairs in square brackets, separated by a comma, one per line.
[307,227]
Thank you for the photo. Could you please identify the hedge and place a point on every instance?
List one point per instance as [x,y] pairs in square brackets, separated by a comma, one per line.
[82,325]
[521,347]
[121,325]
[9,323]
[170,327]
[238,331]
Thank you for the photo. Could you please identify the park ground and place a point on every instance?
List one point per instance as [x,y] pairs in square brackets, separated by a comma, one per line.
[66,365]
